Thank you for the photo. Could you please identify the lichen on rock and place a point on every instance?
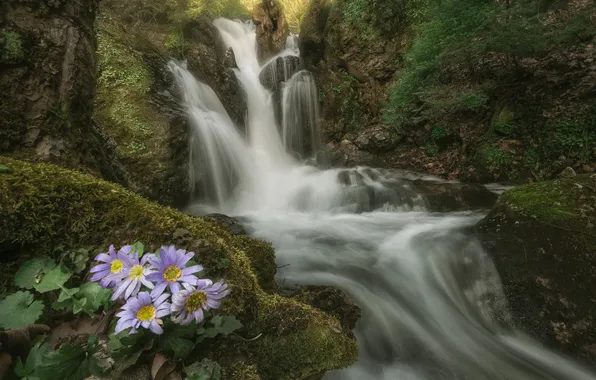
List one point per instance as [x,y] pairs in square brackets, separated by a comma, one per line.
[42,205]
[541,238]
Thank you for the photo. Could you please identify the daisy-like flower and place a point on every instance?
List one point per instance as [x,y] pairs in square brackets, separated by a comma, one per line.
[189,304]
[112,268]
[131,278]
[172,271]
[143,311]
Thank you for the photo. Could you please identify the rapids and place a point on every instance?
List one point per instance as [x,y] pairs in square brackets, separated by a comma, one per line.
[432,302]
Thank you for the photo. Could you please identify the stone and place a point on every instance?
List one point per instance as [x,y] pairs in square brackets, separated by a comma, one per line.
[541,239]
[567,173]
[272,28]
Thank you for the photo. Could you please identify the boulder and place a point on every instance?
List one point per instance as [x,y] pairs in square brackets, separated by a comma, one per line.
[541,238]
[43,206]
[272,28]
[455,196]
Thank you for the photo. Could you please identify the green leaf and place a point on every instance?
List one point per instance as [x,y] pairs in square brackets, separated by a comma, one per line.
[19,309]
[67,294]
[4,169]
[176,346]
[138,248]
[34,358]
[78,305]
[52,280]
[204,370]
[79,259]
[95,297]
[224,325]
[68,362]
[125,344]
[30,273]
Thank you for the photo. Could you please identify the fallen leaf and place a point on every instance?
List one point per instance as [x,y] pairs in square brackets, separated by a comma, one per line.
[161,367]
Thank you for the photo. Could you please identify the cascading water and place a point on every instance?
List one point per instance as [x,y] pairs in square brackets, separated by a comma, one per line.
[300,114]
[432,304]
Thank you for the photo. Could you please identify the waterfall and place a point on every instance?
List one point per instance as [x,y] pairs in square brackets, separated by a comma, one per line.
[432,303]
[300,106]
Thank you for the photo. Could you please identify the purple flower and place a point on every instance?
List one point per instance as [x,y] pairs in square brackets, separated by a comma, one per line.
[132,276]
[108,273]
[171,270]
[189,304]
[143,311]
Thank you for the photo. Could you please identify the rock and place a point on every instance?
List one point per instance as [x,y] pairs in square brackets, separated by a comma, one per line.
[47,84]
[377,139]
[235,227]
[567,173]
[312,32]
[446,197]
[272,28]
[541,238]
[279,70]
[42,206]
[347,154]
[332,301]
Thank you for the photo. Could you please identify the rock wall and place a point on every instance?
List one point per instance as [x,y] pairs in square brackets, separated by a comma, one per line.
[47,85]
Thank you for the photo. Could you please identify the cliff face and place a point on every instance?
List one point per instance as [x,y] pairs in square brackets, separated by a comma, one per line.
[47,84]
[498,107]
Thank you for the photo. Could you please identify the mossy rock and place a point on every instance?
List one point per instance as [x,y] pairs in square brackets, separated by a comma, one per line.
[541,238]
[42,205]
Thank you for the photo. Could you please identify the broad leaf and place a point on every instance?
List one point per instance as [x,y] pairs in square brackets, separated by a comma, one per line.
[177,347]
[138,248]
[68,362]
[31,272]
[4,169]
[204,370]
[19,310]
[95,297]
[52,280]
[67,294]
[78,259]
[124,344]
[224,325]
[34,358]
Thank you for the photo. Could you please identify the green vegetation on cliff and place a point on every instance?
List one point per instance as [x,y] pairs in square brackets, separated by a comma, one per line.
[43,206]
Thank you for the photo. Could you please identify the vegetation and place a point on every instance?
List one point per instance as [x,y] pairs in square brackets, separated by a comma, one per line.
[43,207]
[11,47]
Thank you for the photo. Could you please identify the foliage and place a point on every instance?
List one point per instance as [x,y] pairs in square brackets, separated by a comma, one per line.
[204,370]
[19,309]
[452,40]
[11,47]
[176,43]
[34,359]
[295,10]
[72,362]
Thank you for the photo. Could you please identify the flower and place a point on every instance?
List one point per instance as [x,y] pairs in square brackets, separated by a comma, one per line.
[189,304]
[132,276]
[108,273]
[171,270]
[143,311]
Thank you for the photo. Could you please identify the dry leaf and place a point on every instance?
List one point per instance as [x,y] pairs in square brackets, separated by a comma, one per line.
[161,367]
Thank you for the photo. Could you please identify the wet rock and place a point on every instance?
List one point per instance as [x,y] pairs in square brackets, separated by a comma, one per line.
[235,226]
[279,70]
[332,301]
[446,197]
[346,153]
[541,238]
[272,28]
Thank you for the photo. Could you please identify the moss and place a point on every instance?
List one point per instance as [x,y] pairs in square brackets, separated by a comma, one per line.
[123,95]
[241,371]
[561,202]
[11,48]
[42,206]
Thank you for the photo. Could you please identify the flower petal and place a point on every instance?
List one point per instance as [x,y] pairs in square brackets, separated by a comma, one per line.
[121,288]
[191,270]
[155,328]
[159,289]
[103,257]
[174,287]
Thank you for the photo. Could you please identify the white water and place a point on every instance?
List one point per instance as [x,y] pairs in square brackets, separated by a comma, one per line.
[432,304]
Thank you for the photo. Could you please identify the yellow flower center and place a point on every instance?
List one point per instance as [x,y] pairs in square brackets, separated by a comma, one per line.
[136,272]
[116,266]
[146,313]
[195,301]
[172,273]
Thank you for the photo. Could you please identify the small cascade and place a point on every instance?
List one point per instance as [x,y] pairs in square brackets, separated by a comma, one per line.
[219,158]
[300,115]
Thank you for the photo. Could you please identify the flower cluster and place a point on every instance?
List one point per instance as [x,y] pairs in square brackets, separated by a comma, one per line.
[126,274]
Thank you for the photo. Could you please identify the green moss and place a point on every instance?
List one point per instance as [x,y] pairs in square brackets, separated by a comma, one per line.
[11,48]
[241,371]
[123,95]
[561,202]
[43,206]
[176,44]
